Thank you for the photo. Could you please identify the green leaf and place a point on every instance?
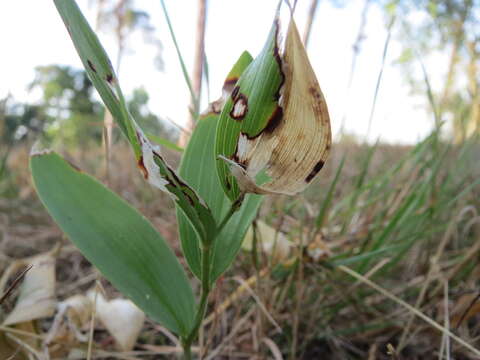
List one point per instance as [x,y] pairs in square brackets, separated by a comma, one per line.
[198,168]
[259,85]
[322,214]
[195,98]
[154,168]
[98,67]
[238,68]
[164,142]
[118,240]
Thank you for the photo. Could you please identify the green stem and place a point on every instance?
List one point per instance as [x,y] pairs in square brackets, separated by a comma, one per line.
[205,270]
[235,206]
[205,276]
[187,352]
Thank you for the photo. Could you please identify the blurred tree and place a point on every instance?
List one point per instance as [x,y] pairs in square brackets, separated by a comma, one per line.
[151,123]
[199,64]
[17,121]
[71,114]
[122,19]
[450,26]
[310,17]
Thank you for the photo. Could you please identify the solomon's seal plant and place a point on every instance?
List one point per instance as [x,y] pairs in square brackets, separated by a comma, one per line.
[269,133]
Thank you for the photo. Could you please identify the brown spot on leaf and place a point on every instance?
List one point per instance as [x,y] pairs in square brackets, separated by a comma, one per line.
[314,92]
[109,79]
[240,107]
[243,164]
[182,186]
[276,54]
[229,84]
[142,167]
[235,91]
[318,166]
[274,120]
[91,66]
[189,199]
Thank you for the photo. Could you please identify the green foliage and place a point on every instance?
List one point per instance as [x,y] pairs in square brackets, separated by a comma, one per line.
[20,119]
[260,83]
[200,150]
[195,99]
[72,115]
[117,239]
[447,26]
[154,126]
[397,213]
[112,235]
[154,168]
[122,18]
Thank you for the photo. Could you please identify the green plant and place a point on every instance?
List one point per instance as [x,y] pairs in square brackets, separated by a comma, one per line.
[271,127]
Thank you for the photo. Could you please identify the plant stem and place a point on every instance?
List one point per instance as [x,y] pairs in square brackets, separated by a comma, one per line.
[235,206]
[205,276]
[187,352]
[205,269]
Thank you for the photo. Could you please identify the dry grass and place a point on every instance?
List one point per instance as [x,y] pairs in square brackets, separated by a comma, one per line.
[405,219]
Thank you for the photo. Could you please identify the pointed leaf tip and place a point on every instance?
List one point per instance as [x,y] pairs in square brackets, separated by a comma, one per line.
[118,240]
[274,130]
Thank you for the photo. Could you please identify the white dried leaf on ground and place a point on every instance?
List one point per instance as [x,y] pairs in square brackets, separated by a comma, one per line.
[274,243]
[121,317]
[72,315]
[78,309]
[36,298]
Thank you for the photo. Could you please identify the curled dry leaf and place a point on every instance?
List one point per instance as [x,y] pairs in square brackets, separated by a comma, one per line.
[122,318]
[36,297]
[78,309]
[73,315]
[274,130]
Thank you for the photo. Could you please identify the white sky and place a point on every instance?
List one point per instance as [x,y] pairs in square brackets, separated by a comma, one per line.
[31,34]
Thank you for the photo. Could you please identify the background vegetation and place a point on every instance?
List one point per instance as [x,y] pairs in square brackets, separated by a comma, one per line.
[404,217]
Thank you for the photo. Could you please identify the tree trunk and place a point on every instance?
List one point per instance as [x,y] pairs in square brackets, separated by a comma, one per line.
[473,124]
[355,53]
[108,119]
[458,38]
[454,58]
[308,25]
[197,74]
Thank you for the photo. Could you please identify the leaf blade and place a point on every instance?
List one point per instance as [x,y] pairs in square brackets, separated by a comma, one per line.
[117,239]
[149,160]
[258,87]
[200,150]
